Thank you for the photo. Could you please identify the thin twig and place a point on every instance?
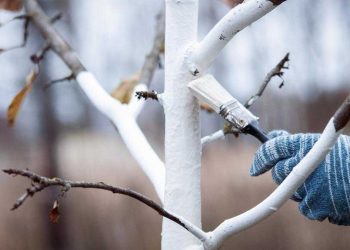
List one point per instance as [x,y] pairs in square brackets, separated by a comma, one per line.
[40,183]
[276,71]
[16,18]
[152,59]
[229,128]
[153,95]
[70,77]
[220,134]
[26,23]
[24,37]
[213,137]
[56,17]
[39,56]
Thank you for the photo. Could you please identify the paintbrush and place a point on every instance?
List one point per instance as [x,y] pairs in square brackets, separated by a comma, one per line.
[208,90]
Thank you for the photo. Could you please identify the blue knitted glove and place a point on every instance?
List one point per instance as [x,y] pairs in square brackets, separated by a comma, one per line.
[326,192]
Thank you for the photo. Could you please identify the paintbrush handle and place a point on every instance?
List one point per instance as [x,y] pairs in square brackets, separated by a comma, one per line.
[255,130]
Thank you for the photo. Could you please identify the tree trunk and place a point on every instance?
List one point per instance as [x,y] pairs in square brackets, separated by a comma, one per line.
[182,127]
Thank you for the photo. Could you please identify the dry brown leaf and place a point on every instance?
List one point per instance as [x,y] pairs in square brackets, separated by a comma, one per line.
[206,107]
[125,89]
[15,105]
[12,5]
[232,3]
[54,214]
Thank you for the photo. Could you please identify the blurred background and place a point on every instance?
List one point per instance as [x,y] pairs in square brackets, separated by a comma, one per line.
[59,133]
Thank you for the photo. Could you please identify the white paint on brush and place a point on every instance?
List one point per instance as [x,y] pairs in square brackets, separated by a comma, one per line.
[208,90]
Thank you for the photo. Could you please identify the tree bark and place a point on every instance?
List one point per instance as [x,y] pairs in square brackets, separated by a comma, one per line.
[182,127]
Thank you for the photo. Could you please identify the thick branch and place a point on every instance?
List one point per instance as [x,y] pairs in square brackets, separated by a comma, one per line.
[58,44]
[237,19]
[119,114]
[293,181]
[40,183]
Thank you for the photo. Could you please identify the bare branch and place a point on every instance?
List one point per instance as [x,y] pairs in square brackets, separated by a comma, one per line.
[24,37]
[16,18]
[342,116]
[126,88]
[26,23]
[57,43]
[25,32]
[56,17]
[276,71]
[39,56]
[152,59]
[40,183]
[70,77]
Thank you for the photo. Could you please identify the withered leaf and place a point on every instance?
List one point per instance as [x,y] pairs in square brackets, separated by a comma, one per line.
[54,214]
[125,89]
[11,5]
[15,105]
[204,106]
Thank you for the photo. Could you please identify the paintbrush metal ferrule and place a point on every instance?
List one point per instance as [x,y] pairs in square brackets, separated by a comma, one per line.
[234,112]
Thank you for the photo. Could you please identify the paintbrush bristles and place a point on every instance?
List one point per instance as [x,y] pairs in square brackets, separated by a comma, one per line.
[208,90]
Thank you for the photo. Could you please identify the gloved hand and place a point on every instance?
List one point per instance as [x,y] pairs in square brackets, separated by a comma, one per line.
[326,192]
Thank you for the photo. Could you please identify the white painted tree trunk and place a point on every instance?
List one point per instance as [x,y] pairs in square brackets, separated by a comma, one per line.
[182,126]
